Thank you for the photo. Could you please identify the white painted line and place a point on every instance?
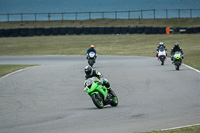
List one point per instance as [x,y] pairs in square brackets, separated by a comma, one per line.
[20,70]
[180,127]
[12,73]
[192,68]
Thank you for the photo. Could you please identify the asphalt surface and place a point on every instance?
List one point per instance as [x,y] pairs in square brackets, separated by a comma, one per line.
[50,99]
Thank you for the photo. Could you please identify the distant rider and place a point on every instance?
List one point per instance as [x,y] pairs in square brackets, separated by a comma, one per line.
[175,49]
[90,72]
[161,44]
[91,49]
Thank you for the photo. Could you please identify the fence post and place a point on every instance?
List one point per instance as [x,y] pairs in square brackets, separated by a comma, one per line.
[129,15]
[21,17]
[166,14]
[190,13]
[76,16]
[8,17]
[115,14]
[62,16]
[89,15]
[35,17]
[102,15]
[49,16]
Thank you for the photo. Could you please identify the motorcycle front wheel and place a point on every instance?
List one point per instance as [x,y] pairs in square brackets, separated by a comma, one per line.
[114,98]
[97,100]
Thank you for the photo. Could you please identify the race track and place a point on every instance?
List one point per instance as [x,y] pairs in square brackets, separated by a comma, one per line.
[50,99]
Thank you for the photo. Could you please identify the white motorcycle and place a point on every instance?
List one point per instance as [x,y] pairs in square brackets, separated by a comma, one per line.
[162,54]
[91,58]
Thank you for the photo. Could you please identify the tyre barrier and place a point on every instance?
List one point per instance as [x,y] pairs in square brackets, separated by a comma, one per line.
[125,30]
[39,31]
[155,30]
[101,30]
[86,30]
[23,32]
[47,31]
[55,31]
[94,30]
[63,31]
[140,30]
[15,32]
[71,30]
[79,31]
[148,30]
[31,31]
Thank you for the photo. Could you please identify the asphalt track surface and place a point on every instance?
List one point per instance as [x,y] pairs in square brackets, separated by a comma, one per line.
[50,99]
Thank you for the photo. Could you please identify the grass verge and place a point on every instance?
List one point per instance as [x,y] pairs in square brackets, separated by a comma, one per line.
[170,22]
[192,129]
[6,69]
[130,45]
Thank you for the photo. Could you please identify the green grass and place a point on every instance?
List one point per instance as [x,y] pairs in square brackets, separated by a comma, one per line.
[6,69]
[131,45]
[171,22]
[192,129]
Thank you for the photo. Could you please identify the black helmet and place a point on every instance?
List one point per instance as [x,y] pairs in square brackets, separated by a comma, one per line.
[176,44]
[88,70]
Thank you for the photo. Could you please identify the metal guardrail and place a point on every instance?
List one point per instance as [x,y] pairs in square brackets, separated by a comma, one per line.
[141,14]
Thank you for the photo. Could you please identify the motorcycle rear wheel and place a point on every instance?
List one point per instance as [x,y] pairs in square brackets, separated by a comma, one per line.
[97,100]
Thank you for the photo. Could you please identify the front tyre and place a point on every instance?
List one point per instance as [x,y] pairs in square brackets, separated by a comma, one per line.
[91,63]
[177,67]
[162,63]
[114,98]
[97,100]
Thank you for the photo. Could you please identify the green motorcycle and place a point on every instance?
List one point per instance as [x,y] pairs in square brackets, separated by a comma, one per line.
[177,59]
[99,93]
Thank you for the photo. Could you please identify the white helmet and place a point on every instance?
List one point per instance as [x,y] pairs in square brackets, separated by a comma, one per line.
[161,43]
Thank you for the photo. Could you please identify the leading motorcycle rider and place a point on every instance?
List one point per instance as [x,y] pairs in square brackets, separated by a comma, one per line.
[90,72]
[91,49]
[161,44]
[175,49]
